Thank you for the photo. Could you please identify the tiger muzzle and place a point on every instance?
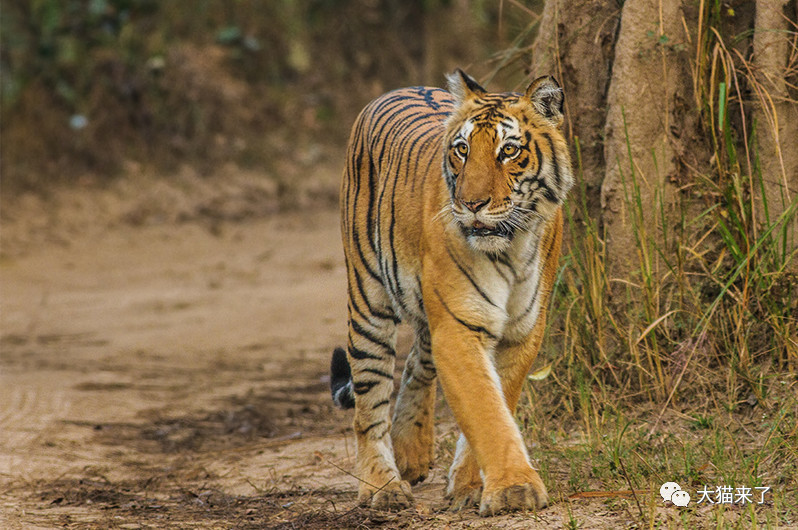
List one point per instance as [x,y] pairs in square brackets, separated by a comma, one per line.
[482,230]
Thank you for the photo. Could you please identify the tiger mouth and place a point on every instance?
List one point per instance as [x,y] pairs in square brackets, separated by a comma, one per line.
[479,229]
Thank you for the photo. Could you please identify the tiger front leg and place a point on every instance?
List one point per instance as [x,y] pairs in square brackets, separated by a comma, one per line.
[512,363]
[371,358]
[413,430]
[473,390]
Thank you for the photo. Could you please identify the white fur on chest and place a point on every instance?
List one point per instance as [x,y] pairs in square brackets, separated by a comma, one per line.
[502,294]
[522,306]
[513,286]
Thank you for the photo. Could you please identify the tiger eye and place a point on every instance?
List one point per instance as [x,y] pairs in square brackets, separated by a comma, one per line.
[509,150]
[462,149]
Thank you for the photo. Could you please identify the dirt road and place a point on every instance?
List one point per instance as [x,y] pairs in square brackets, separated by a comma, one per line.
[148,369]
[175,376]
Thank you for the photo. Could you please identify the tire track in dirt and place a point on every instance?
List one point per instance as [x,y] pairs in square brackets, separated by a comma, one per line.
[26,414]
[17,404]
[130,359]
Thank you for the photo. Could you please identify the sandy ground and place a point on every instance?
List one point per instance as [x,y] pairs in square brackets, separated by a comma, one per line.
[176,376]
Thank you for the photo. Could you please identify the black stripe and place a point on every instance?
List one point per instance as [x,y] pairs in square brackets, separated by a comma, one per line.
[357,353]
[531,260]
[470,278]
[534,177]
[422,378]
[399,292]
[364,387]
[550,249]
[385,106]
[528,309]
[391,272]
[367,429]
[353,304]
[381,403]
[376,200]
[399,112]
[503,259]
[372,176]
[357,328]
[379,314]
[534,298]
[555,163]
[472,327]
[494,260]
[429,365]
[422,139]
[424,342]
[429,97]
[380,373]
[432,142]
[359,250]
[353,177]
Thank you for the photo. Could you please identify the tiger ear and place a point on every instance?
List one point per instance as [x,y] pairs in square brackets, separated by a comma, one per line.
[547,98]
[463,86]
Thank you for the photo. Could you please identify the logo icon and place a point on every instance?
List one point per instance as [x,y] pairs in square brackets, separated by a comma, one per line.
[671,491]
[680,498]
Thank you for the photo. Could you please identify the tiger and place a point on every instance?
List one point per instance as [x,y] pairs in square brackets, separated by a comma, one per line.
[451,221]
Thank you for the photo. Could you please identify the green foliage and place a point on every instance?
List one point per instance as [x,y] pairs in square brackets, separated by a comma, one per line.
[711,303]
[621,455]
[89,84]
[51,40]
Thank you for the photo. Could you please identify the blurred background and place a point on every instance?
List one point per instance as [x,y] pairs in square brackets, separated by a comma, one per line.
[92,89]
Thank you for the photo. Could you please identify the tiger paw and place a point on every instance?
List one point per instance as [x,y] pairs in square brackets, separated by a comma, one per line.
[413,458]
[465,483]
[465,498]
[529,496]
[414,471]
[394,496]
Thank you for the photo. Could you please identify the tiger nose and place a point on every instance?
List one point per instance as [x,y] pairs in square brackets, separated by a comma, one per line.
[475,206]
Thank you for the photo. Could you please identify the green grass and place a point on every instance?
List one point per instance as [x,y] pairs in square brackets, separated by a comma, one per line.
[617,454]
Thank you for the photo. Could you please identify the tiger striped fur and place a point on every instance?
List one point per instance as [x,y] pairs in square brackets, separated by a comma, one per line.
[451,222]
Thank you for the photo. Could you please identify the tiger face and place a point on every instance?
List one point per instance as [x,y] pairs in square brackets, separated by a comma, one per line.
[500,164]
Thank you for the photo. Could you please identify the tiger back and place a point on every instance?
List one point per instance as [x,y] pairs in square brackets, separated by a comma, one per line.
[451,222]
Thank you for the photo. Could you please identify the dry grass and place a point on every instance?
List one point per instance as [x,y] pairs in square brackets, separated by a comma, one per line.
[691,375]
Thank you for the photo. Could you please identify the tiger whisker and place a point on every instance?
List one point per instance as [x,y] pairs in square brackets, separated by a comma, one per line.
[443,211]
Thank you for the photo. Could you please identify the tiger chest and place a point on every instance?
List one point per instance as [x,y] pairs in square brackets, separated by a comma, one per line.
[523,308]
[515,285]
[503,293]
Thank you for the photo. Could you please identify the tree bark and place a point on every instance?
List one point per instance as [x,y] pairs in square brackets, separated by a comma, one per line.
[630,76]
[776,115]
[576,43]
[648,75]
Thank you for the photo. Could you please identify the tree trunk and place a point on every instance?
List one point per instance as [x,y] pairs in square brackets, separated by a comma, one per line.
[776,114]
[648,76]
[575,43]
[636,88]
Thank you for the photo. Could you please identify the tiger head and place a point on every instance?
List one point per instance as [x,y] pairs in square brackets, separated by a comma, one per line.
[506,161]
